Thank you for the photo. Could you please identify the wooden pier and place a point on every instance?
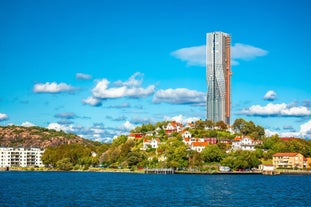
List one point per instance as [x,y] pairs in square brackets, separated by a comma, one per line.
[160,171]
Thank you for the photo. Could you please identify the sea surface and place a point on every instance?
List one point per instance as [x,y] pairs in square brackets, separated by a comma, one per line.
[126,189]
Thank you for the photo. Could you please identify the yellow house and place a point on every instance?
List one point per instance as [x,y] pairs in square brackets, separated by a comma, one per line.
[308,163]
[288,160]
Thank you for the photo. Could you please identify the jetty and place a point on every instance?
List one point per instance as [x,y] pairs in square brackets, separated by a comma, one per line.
[160,171]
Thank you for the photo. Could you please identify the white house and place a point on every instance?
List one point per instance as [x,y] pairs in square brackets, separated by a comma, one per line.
[153,143]
[20,157]
[173,127]
[186,134]
[244,143]
[198,146]
[266,167]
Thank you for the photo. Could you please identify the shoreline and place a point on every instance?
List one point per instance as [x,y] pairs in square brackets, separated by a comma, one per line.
[143,171]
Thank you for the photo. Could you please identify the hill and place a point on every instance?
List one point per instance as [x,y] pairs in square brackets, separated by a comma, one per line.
[12,136]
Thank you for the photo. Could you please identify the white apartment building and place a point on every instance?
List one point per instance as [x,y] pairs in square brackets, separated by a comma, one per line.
[20,157]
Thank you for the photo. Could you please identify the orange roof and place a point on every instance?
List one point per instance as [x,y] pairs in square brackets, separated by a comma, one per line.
[285,154]
[199,144]
[237,139]
[187,139]
[289,138]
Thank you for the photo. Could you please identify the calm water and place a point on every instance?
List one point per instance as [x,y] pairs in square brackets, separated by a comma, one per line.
[121,189]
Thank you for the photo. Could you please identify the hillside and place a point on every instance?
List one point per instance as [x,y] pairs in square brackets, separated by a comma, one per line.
[37,136]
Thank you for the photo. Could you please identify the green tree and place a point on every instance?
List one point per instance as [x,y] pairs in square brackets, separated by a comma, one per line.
[221,125]
[199,125]
[212,153]
[119,140]
[64,164]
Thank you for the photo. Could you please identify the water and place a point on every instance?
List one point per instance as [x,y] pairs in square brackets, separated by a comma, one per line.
[122,189]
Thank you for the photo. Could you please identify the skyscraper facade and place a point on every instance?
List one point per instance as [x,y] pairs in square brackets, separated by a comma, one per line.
[218,74]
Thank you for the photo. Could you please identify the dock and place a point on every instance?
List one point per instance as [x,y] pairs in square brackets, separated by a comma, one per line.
[160,171]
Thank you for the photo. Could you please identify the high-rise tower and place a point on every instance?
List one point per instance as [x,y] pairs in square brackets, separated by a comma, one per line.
[218,75]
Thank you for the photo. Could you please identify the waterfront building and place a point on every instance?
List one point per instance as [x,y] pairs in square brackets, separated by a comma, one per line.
[20,157]
[288,160]
[218,74]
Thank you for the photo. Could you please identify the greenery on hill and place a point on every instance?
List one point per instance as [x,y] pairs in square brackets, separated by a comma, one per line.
[38,137]
[76,153]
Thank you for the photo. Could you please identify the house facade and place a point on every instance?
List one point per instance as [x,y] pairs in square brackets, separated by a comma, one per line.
[173,127]
[288,160]
[245,143]
[21,157]
[198,146]
[153,143]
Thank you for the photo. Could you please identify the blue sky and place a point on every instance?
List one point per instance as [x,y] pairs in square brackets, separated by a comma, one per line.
[100,68]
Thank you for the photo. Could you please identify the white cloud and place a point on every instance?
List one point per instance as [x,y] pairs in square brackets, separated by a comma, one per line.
[52,87]
[283,109]
[59,127]
[305,129]
[92,101]
[192,55]
[130,88]
[128,126]
[28,124]
[179,96]
[304,132]
[66,115]
[246,52]
[135,80]
[82,76]
[270,95]
[3,117]
[181,119]
[195,56]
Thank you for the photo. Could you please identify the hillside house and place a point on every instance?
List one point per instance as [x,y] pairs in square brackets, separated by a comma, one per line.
[245,143]
[198,146]
[289,160]
[135,135]
[173,127]
[189,126]
[153,143]
[210,140]
[185,134]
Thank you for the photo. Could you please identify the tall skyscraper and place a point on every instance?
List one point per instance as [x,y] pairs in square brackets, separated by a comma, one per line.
[218,74]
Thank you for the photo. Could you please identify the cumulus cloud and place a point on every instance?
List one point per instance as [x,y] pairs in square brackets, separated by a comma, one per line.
[270,95]
[304,132]
[135,80]
[141,120]
[92,101]
[52,87]
[82,76]
[283,110]
[59,127]
[66,115]
[179,96]
[28,124]
[3,117]
[127,126]
[181,119]
[96,132]
[195,56]
[131,88]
